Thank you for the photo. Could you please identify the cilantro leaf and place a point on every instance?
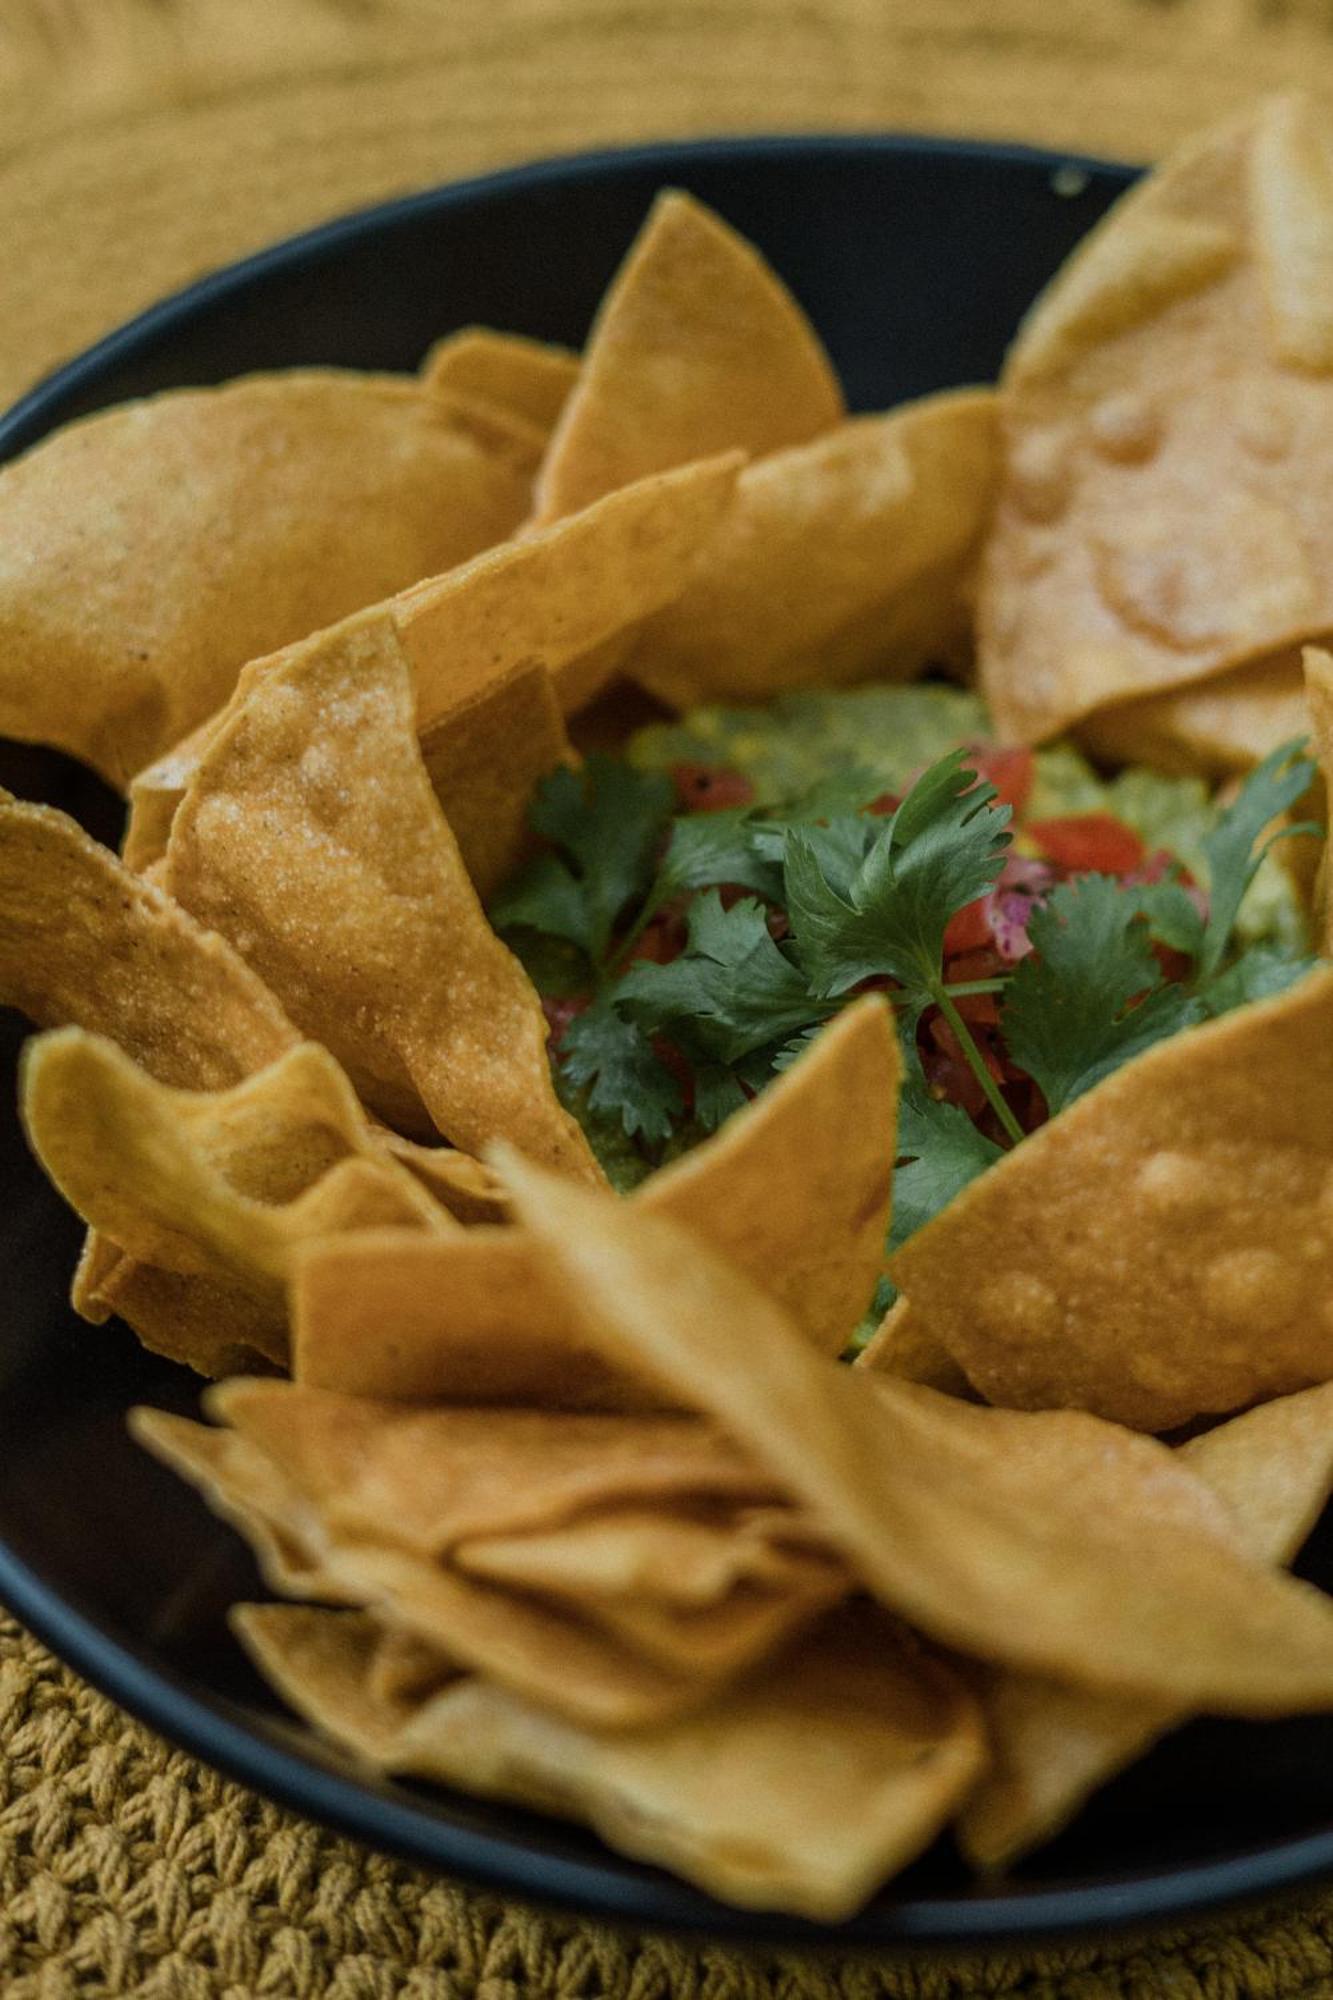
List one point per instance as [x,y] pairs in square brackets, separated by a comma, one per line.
[605,822]
[732,990]
[615,1061]
[1067,1017]
[1232,849]
[1262,972]
[940,1151]
[709,849]
[871,898]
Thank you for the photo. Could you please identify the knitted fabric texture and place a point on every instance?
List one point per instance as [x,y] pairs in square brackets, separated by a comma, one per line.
[128,1869]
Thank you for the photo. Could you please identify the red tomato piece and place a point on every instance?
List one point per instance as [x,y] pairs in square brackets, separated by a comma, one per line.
[1088,843]
[710,787]
[968,929]
[1010,771]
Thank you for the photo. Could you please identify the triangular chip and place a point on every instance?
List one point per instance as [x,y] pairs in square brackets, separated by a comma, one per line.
[84,940]
[526,1645]
[794,1190]
[841,559]
[1054,1745]
[1163,514]
[166,1174]
[530,379]
[311,837]
[903,1347]
[1049,1540]
[1160,1250]
[148,552]
[698,347]
[799,1790]
[1226,723]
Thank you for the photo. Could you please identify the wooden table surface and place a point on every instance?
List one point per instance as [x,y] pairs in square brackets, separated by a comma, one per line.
[145,141]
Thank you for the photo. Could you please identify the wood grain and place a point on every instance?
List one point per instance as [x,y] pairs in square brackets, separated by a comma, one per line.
[145,141]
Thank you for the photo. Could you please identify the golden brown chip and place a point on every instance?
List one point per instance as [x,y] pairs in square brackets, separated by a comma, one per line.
[698,347]
[572,596]
[1049,1540]
[529,378]
[801,1789]
[902,1346]
[83,940]
[526,1645]
[1163,515]
[794,1189]
[483,760]
[148,552]
[311,837]
[1159,1251]
[470,1190]
[1053,1745]
[167,1175]
[841,559]
[1224,724]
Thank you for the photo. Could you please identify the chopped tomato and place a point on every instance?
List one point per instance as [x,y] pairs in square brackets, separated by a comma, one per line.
[1088,843]
[886,803]
[968,929]
[671,1058]
[1010,771]
[710,788]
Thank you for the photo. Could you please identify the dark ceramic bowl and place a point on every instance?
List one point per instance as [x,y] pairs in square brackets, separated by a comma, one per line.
[915,260]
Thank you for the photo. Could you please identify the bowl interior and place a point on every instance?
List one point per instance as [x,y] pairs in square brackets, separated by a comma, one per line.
[915,260]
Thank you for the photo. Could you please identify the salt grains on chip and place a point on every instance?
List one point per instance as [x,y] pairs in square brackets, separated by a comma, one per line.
[310,836]
[698,347]
[1168,411]
[800,1789]
[1160,1251]
[148,552]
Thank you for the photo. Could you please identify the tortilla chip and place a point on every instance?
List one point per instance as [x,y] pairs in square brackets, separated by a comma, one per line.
[1163,515]
[522,1643]
[217,1327]
[571,597]
[1226,724]
[799,1790]
[903,1347]
[1051,1541]
[842,559]
[310,835]
[218,1184]
[83,940]
[467,1188]
[148,552]
[530,379]
[1159,1251]
[1054,1745]
[698,347]
[794,1189]
[484,760]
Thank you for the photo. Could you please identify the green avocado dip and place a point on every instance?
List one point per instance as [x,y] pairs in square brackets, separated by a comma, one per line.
[697,907]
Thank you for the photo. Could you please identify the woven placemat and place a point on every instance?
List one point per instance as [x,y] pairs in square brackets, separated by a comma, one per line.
[145,141]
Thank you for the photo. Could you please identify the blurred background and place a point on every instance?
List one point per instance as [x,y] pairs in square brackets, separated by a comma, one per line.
[145,141]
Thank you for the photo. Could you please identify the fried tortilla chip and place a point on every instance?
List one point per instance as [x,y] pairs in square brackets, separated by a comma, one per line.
[1163,515]
[1054,1745]
[1160,1250]
[794,1189]
[148,552]
[902,1346]
[1226,724]
[530,379]
[83,940]
[311,837]
[799,1790]
[484,759]
[526,1645]
[470,1190]
[698,347]
[1051,1541]
[842,559]
[167,1174]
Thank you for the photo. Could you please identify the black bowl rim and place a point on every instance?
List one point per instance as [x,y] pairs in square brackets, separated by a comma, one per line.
[216,1730]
